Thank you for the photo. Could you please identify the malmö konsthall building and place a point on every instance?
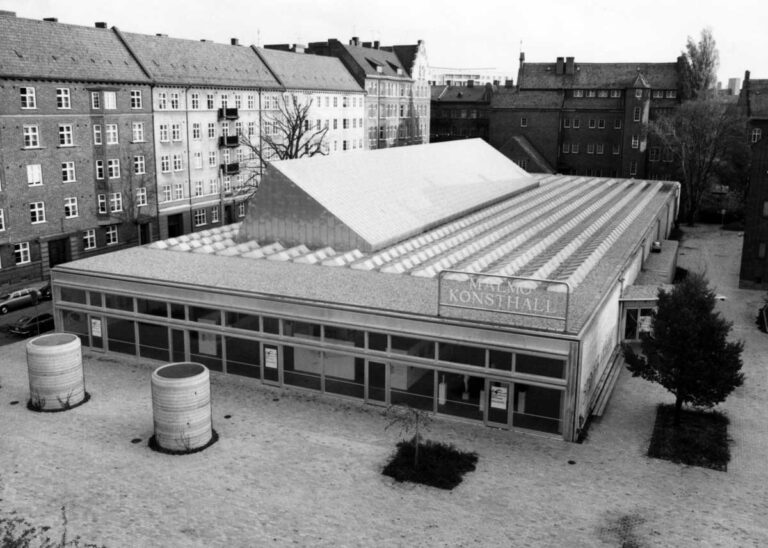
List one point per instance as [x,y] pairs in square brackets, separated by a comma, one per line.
[441,276]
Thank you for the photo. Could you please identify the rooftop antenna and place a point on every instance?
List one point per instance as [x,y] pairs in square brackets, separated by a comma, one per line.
[258,38]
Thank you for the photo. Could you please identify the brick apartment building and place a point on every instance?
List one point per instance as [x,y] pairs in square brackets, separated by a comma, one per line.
[753,101]
[460,111]
[76,159]
[396,81]
[586,118]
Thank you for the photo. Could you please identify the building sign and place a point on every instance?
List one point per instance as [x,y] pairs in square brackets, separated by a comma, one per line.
[95,327]
[503,295]
[498,397]
[270,358]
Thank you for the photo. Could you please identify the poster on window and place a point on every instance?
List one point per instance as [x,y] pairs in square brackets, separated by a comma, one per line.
[270,358]
[498,397]
[95,327]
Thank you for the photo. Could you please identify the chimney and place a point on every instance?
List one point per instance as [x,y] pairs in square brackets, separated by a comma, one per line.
[161,35]
[234,41]
[508,83]
[570,66]
[51,19]
[470,83]
[101,25]
[6,13]
[522,57]
[367,44]
[355,41]
[375,44]
[559,66]
[299,48]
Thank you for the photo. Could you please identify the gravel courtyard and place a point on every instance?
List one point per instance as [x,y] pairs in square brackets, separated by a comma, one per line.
[301,469]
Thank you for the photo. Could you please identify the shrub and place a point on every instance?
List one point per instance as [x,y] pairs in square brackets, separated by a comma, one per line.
[440,465]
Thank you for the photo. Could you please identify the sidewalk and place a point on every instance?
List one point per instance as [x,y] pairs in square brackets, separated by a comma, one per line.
[301,469]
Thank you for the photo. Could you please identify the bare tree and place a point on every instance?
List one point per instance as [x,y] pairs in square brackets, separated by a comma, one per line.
[705,137]
[285,135]
[703,59]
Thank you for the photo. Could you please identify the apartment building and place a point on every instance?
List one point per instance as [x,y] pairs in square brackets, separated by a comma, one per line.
[76,140]
[396,81]
[460,111]
[336,102]
[588,118]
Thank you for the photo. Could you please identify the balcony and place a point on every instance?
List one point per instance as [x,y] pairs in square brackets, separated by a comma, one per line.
[231,169]
[228,114]
[229,141]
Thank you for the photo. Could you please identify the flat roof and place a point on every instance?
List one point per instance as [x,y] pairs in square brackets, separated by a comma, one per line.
[578,230]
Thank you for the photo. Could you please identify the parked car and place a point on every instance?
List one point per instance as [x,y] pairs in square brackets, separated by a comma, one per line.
[45,292]
[32,325]
[18,299]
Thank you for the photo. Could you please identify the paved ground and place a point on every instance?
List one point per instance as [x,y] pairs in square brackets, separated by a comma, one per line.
[299,469]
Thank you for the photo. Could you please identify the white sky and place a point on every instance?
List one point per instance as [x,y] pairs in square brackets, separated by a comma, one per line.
[483,33]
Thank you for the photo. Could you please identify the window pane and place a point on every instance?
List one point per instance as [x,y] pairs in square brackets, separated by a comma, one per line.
[470,355]
[300,329]
[72,295]
[413,347]
[377,341]
[344,374]
[500,360]
[204,315]
[119,302]
[412,386]
[342,335]
[95,298]
[271,325]
[460,395]
[301,367]
[153,308]
[77,323]
[121,337]
[205,348]
[153,341]
[537,408]
[242,321]
[177,311]
[243,357]
[538,365]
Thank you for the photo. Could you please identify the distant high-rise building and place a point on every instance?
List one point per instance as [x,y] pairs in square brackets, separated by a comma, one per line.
[734,85]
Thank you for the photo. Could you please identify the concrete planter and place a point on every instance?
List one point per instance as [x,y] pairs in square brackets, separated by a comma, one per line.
[55,369]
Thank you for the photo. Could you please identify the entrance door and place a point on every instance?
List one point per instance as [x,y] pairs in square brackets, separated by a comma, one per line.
[497,399]
[229,214]
[144,233]
[377,382]
[175,225]
[271,361]
[58,252]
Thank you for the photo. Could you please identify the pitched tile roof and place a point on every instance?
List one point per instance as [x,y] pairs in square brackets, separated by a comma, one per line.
[513,98]
[406,54]
[307,71]
[461,94]
[184,62]
[46,49]
[371,58]
[598,75]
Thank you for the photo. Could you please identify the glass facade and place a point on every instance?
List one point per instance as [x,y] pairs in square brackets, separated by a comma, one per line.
[504,388]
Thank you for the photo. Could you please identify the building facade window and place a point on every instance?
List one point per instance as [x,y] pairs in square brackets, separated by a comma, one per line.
[211,130]
[592,123]
[113,168]
[241,209]
[654,154]
[196,131]
[2,220]
[95,100]
[601,124]
[600,148]
[671,94]
[68,172]
[141,196]
[576,123]
[37,212]
[178,191]
[199,217]
[167,196]
[102,201]
[63,98]
[135,98]
[65,135]
[590,148]
[523,122]
[617,124]
[195,101]
[756,135]
[162,101]
[110,100]
[209,101]
[112,138]
[111,235]
[635,141]
[575,148]
[165,164]
[632,168]
[96,134]
[616,149]
[70,207]
[28,100]
[89,239]
[99,169]
[615,93]
[164,133]
[139,165]
[178,165]
[214,214]
[212,160]
[31,136]
[578,93]
[115,202]
[176,132]
[638,94]
[636,114]
[21,253]
[34,175]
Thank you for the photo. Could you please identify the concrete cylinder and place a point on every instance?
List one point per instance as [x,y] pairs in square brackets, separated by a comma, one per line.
[55,369]
[181,405]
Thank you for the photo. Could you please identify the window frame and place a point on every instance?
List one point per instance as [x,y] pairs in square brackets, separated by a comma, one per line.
[31,134]
[28,98]
[68,172]
[36,213]
[70,207]
[63,99]
[136,99]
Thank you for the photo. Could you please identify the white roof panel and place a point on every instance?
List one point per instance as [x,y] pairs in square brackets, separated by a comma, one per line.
[390,194]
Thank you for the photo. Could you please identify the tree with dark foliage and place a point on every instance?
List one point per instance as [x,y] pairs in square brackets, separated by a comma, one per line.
[687,351]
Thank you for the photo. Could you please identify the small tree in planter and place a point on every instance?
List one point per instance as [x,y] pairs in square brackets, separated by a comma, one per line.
[431,463]
[687,352]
